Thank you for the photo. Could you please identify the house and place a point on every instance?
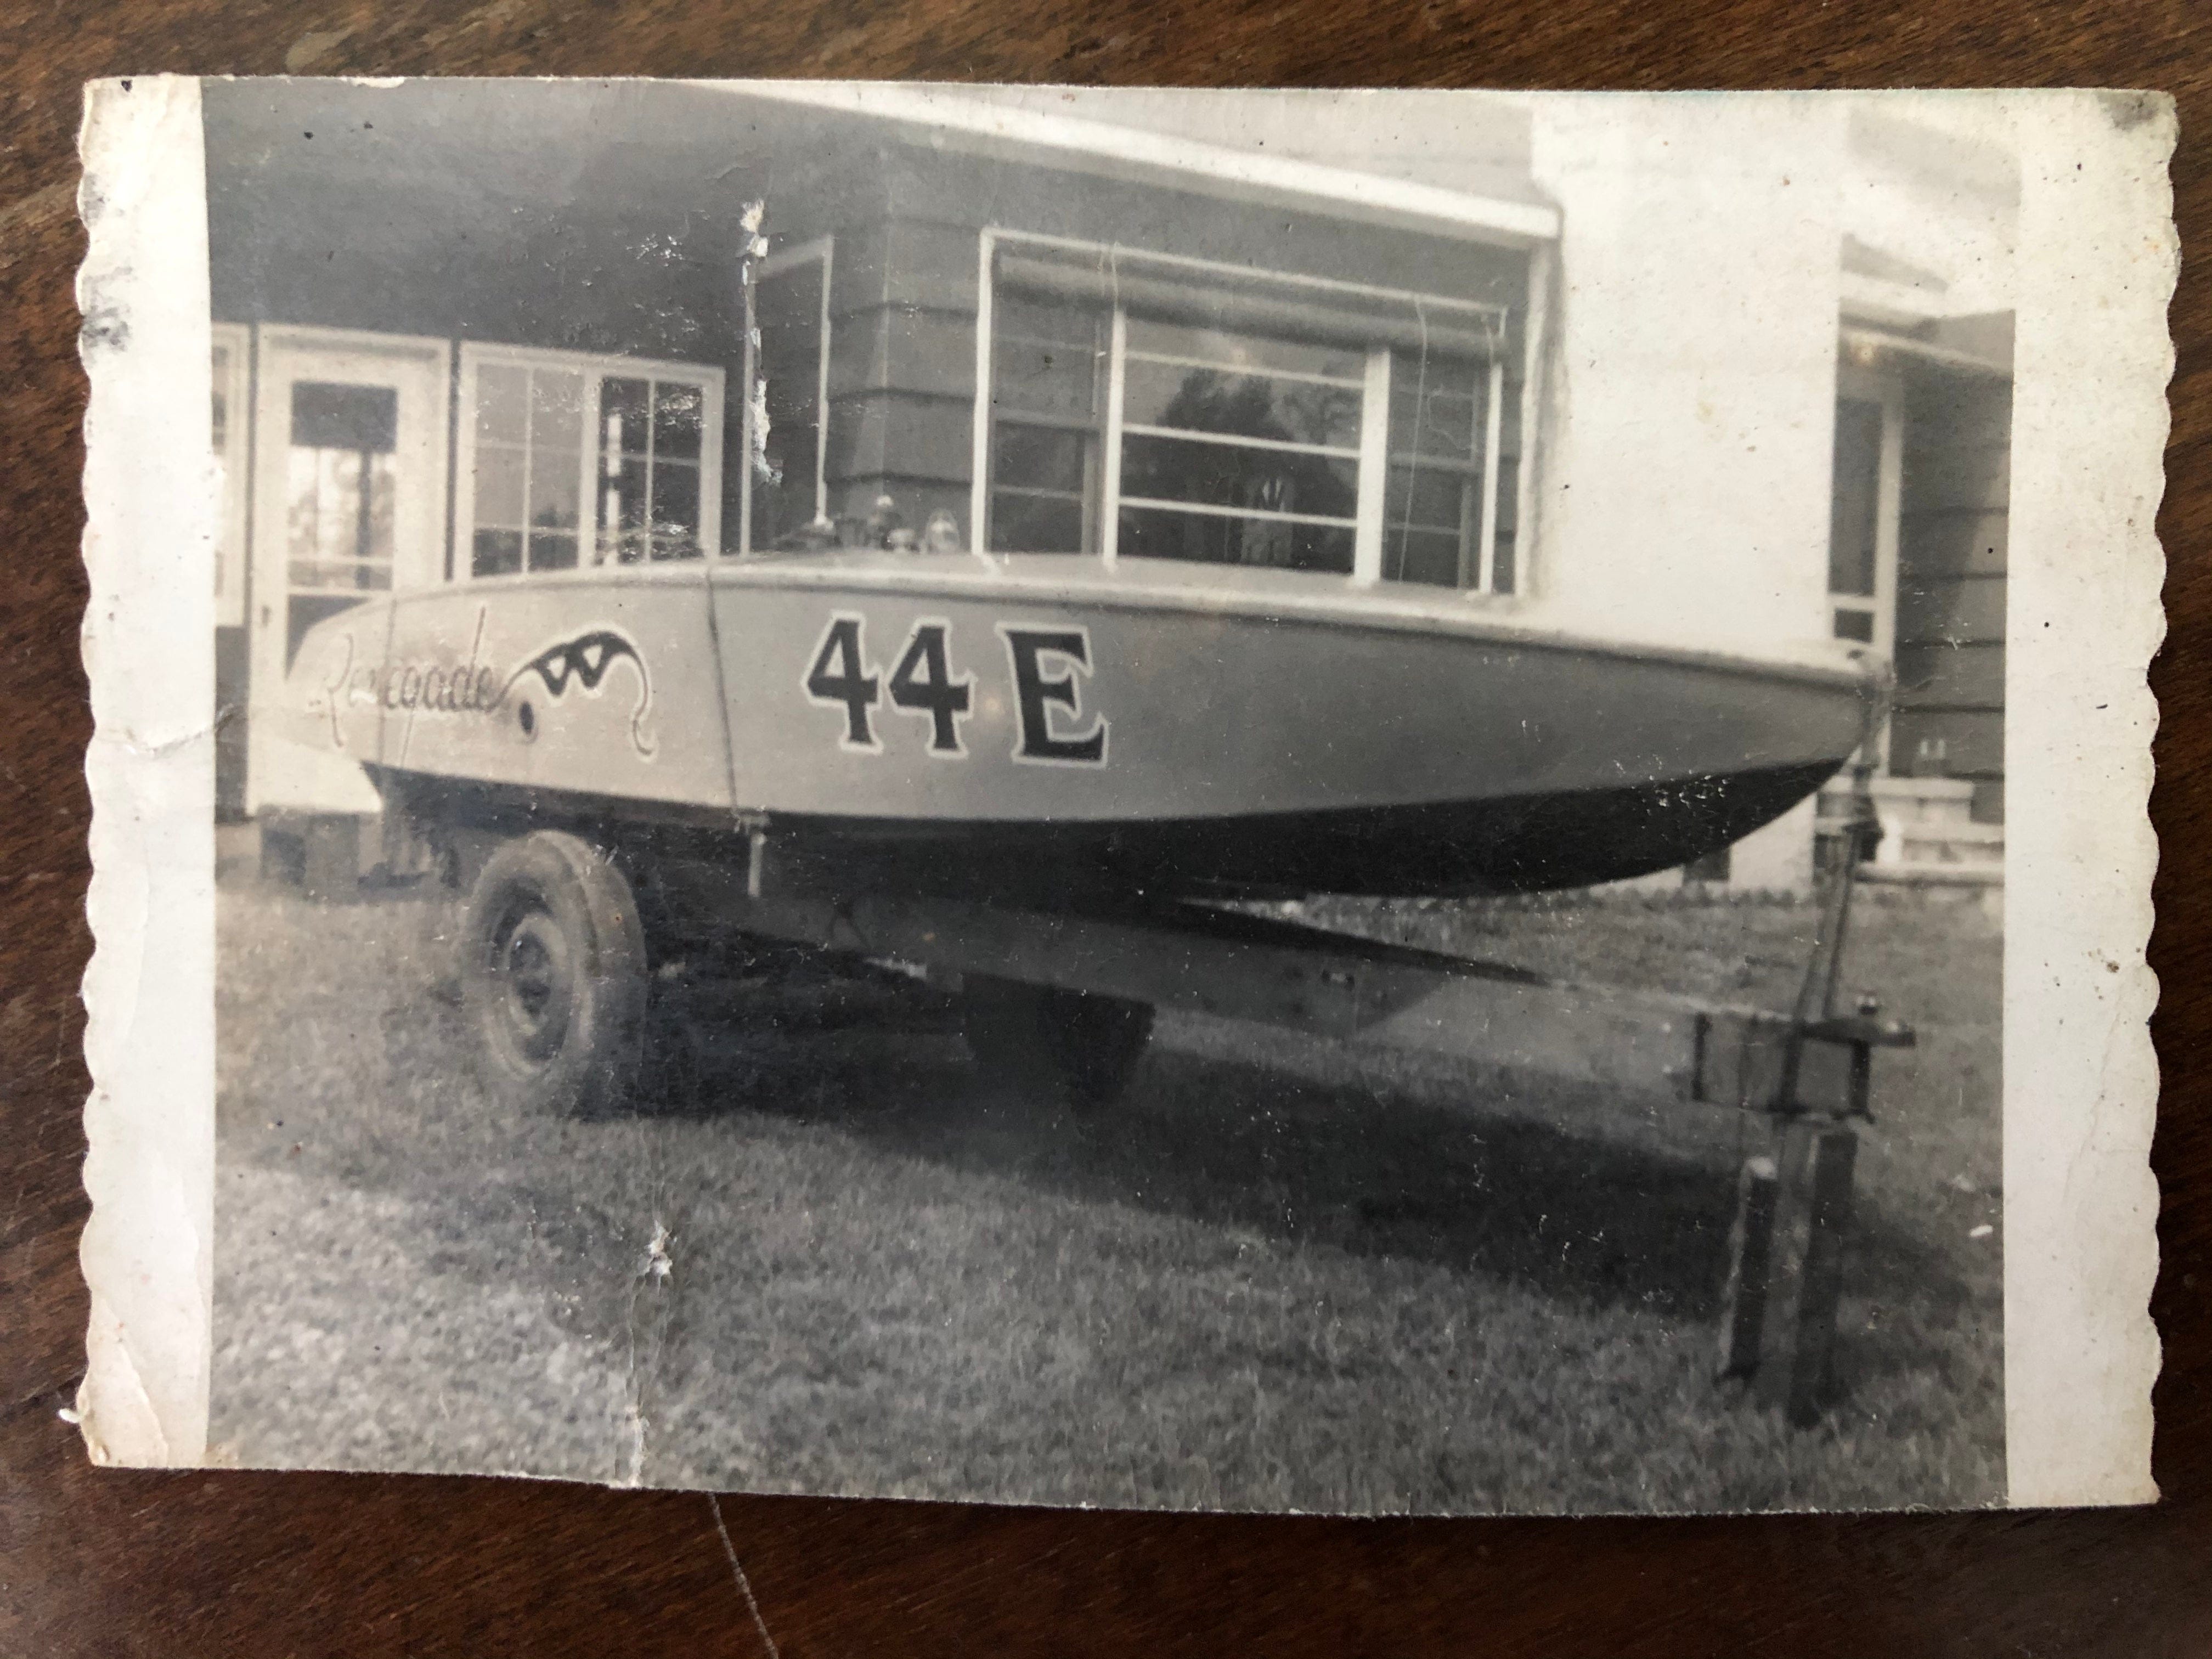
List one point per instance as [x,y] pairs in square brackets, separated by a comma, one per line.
[1924,486]
[1600,365]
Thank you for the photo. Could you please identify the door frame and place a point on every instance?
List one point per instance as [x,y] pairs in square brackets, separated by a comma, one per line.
[1887,392]
[822,251]
[420,369]
[1860,386]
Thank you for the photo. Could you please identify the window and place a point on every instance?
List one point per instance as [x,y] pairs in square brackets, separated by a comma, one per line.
[341,476]
[347,488]
[1439,507]
[1238,448]
[1048,409]
[650,462]
[1146,407]
[572,462]
[791,310]
[340,490]
[527,517]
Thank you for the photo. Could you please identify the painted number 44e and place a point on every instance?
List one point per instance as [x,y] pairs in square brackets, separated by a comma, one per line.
[1048,666]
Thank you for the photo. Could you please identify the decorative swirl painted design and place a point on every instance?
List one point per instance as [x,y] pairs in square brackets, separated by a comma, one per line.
[585,661]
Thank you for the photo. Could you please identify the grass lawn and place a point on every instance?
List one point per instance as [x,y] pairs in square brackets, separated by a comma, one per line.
[1276,1275]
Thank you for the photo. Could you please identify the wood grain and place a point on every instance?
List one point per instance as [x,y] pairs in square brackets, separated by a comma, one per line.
[108,1563]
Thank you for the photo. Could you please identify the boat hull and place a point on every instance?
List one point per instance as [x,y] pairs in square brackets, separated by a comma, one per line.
[957,726]
[1576,838]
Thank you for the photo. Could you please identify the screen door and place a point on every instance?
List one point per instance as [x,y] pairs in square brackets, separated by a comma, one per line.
[350,491]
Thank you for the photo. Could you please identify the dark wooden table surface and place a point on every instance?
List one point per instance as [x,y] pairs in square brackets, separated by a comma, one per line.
[187,1564]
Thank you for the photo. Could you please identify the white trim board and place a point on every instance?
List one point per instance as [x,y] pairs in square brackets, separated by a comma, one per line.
[952,119]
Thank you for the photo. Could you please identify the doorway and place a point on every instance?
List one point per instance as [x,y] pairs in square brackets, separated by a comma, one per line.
[349,504]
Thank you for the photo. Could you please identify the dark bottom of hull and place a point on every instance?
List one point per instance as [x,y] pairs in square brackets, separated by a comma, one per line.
[1536,844]
[1533,844]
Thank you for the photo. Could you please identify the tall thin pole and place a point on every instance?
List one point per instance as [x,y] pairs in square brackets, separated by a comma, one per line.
[754,249]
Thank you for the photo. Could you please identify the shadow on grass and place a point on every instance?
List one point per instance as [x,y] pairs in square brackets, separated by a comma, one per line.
[1367,1169]
[1365,1166]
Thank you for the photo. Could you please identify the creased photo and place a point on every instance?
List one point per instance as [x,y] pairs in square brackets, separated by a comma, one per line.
[1351,802]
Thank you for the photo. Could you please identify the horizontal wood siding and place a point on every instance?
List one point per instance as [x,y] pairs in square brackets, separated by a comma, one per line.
[908,264]
[1968,675]
[973,194]
[1952,541]
[1970,477]
[893,347]
[1950,609]
[913,435]
[903,295]
[1952,552]
[1973,740]
[902,308]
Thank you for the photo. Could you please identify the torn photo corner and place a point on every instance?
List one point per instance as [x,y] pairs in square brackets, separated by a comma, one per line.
[1354,802]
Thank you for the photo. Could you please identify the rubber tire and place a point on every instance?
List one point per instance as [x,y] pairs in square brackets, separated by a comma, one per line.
[1078,1045]
[551,921]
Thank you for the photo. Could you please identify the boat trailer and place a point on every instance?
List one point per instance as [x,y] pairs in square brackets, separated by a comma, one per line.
[1071,994]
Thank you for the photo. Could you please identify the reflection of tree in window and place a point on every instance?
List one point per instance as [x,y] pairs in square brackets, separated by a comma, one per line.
[1271,481]
[1239,449]
[342,485]
[547,434]
[649,440]
[529,462]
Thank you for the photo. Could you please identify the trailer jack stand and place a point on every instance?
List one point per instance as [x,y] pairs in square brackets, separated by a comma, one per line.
[1786,1262]
[1793,1199]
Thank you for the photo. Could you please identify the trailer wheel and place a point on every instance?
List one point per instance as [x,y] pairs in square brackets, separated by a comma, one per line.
[553,977]
[1074,1043]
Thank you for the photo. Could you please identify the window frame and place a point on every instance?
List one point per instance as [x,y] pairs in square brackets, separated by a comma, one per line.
[233,506]
[1373,458]
[597,367]
[822,250]
[1366,535]
[1090,495]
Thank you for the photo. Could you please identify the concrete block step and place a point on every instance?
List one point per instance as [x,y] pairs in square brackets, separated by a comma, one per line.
[1942,843]
[1978,873]
[1909,831]
[1916,800]
[1983,836]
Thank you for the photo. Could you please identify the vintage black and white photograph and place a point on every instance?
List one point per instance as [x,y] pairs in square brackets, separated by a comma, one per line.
[1233,801]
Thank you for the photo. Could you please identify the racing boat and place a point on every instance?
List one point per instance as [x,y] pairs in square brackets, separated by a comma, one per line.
[1044,728]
